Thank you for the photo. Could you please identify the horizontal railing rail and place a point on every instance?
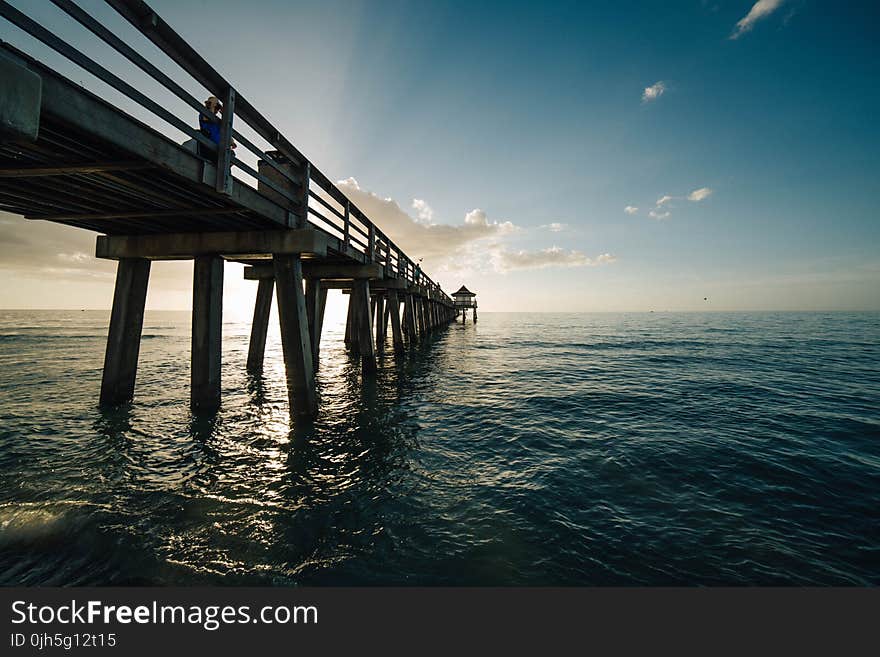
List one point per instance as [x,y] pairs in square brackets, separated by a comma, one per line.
[315,199]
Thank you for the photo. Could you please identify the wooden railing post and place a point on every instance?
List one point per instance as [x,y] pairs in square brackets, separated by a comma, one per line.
[306,173]
[346,232]
[224,148]
[371,241]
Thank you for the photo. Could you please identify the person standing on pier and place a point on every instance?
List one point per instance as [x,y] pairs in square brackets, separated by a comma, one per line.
[211,127]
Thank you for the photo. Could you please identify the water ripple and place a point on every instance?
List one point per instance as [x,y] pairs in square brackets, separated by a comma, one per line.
[529,449]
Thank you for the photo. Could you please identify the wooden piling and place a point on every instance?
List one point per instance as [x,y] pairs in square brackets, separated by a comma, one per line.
[380,323]
[295,339]
[322,306]
[362,328]
[207,321]
[349,323]
[126,324]
[417,329]
[420,315]
[260,326]
[394,314]
[351,326]
[316,298]
[409,317]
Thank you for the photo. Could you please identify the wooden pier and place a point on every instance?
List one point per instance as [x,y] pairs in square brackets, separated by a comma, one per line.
[70,157]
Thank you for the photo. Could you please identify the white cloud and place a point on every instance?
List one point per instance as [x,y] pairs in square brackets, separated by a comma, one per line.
[699,194]
[477,244]
[759,10]
[424,211]
[76,257]
[654,91]
[434,242]
[631,209]
[663,200]
[505,260]
[659,215]
[476,217]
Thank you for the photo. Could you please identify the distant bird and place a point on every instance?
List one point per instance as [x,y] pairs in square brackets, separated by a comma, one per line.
[705,298]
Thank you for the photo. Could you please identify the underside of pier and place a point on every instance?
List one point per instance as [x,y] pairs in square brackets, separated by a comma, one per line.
[70,157]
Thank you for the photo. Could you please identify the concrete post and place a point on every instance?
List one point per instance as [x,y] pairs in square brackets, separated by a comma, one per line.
[207,320]
[295,339]
[409,317]
[126,324]
[351,330]
[322,305]
[420,315]
[380,322]
[260,326]
[349,322]
[394,313]
[360,297]
[316,297]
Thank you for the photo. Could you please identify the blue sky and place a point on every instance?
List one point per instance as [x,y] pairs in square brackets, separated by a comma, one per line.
[533,113]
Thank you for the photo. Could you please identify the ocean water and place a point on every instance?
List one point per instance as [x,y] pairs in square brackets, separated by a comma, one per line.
[529,449]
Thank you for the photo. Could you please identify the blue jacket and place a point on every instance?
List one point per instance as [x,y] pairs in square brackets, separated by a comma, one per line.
[209,128]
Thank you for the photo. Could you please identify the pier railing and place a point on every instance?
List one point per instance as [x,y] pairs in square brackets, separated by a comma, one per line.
[311,197]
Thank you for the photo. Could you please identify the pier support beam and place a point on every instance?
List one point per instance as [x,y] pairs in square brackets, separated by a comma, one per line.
[295,339]
[362,326]
[207,320]
[349,323]
[394,312]
[316,300]
[420,316]
[418,333]
[126,324]
[386,318]
[380,322]
[260,326]
[409,317]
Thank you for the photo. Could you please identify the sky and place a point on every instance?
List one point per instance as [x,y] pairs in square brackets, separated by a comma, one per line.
[558,156]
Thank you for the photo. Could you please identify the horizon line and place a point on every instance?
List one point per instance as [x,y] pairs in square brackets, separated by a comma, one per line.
[522,312]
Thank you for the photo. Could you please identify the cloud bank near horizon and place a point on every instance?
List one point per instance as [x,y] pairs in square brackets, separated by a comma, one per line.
[554,256]
[463,246]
